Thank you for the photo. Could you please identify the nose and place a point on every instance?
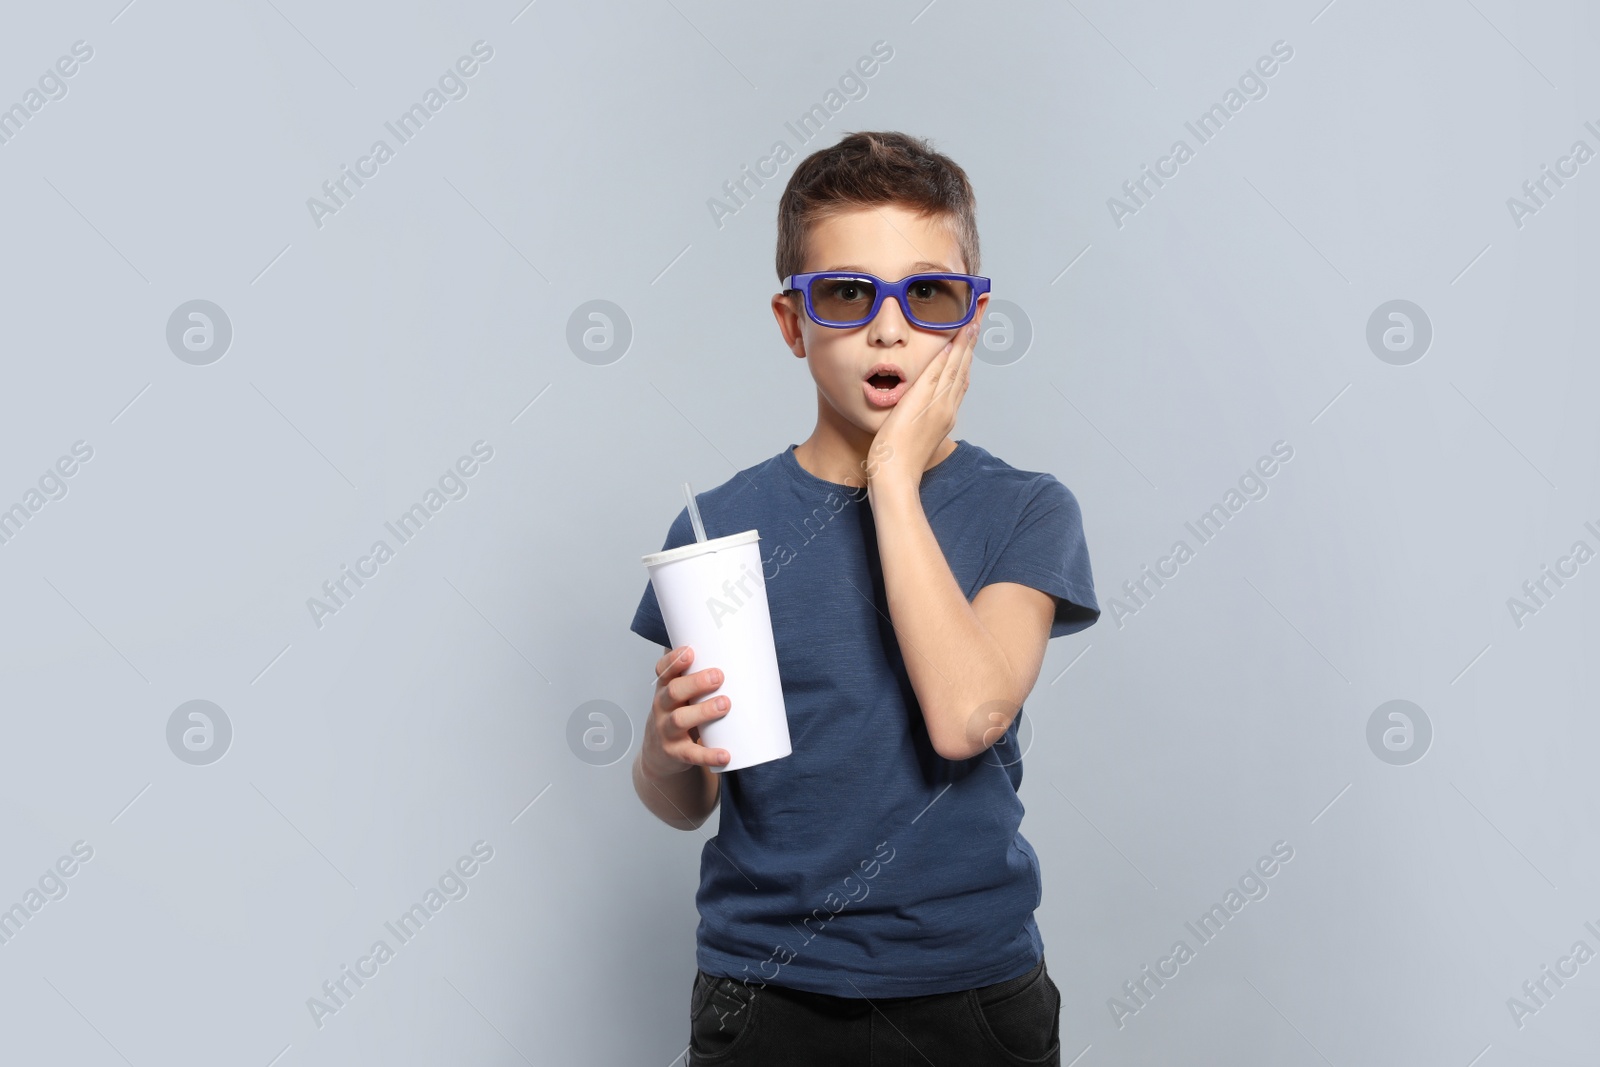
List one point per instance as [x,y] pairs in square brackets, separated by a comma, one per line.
[889,326]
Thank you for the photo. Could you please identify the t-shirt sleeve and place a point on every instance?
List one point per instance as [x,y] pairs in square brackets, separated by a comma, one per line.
[1047,551]
[647,620]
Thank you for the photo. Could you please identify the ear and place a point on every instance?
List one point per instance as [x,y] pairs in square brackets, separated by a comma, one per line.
[783,309]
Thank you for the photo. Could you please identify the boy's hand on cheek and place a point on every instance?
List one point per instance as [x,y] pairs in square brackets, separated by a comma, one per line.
[925,415]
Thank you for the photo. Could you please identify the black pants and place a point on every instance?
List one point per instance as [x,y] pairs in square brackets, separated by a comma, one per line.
[1014,1022]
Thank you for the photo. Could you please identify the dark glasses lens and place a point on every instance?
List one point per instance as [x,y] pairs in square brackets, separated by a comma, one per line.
[842,298]
[938,300]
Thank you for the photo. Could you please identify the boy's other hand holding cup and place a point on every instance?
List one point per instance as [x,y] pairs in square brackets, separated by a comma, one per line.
[671,733]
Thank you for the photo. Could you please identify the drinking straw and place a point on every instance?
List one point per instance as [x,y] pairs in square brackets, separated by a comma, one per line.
[694,514]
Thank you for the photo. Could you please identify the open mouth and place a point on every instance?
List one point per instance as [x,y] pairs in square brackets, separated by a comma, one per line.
[885,385]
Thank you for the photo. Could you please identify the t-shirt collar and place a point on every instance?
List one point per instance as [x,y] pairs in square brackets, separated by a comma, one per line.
[949,467]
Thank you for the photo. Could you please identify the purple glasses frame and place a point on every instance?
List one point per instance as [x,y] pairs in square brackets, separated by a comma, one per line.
[881,291]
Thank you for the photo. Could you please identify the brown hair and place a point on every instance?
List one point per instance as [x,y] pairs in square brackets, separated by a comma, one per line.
[867,169]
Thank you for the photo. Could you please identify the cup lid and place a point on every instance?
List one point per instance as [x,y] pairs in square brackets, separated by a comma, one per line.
[695,548]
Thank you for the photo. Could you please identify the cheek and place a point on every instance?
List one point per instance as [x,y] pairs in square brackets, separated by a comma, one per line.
[813,342]
[829,363]
[927,353]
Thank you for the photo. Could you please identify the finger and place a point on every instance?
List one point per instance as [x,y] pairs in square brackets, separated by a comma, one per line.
[969,345]
[935,365]
[683,690]
[952,385]
[697,754]
[920,398]
[673,663]
[668,669]
[694,716]
[950,372]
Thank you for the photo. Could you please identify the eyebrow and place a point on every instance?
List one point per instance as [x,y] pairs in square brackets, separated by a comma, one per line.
[920,265]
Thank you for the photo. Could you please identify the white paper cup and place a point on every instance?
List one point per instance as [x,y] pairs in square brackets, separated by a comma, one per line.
[714,599]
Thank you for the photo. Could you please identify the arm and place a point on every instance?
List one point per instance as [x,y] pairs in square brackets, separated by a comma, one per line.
[971,665]
[672,772]
[683,800]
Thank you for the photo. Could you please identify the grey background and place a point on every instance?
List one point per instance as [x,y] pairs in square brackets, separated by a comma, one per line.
[434,710]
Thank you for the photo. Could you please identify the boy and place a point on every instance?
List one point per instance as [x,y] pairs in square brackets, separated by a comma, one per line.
[868,898]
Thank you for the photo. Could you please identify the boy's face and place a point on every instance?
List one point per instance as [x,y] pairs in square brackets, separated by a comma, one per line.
[891,242]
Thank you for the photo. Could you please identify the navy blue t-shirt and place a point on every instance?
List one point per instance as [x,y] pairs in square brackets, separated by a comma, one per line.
[864,864]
